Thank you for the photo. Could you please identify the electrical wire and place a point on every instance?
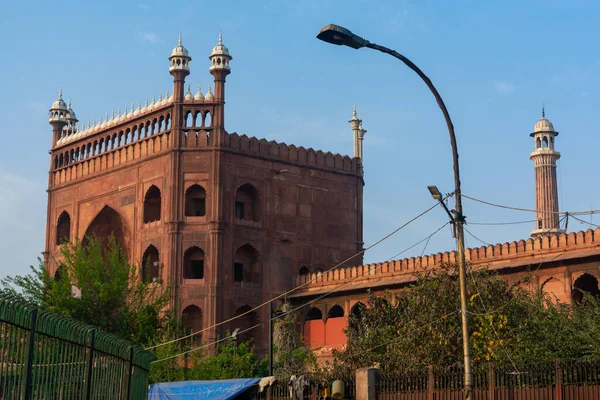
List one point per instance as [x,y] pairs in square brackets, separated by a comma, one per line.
[584,222]
[309,302]
[528,209]
[405,335]
[285,294]
[206,345]
[475,237]
[486,309]
[530,221]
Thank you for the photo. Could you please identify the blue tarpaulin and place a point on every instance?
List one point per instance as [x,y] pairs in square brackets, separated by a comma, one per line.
[214,390]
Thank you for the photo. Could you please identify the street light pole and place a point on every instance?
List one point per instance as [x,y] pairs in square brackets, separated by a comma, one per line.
[337,35]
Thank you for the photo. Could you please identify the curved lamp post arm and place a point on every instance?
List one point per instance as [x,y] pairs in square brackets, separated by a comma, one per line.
[442,106]
[338,35]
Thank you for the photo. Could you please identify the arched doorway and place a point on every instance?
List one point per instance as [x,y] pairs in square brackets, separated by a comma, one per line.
[195,201]
[247,205]
[193,263]
[586,283]
[63,228]
[152,205]
[108,222]
[244,323]
[245,268]
[150,265]
[191,318]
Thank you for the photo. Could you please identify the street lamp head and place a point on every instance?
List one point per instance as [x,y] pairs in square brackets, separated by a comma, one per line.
[336,34]
[435,192]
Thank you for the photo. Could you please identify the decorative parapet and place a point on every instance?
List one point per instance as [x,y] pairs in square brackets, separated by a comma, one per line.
[290,153]
[498,256]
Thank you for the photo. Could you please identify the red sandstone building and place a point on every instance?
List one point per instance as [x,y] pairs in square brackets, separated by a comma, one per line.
[563,264]
[233,220]
[229,219]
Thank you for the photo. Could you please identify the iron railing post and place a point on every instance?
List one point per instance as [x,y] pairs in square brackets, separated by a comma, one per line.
[30,355]
[558,383]
[90,368]
[130,373]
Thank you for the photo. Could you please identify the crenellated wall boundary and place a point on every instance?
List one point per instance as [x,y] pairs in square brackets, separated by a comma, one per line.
[290,153]
[501,253]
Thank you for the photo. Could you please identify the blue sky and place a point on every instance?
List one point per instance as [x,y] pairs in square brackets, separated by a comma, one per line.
[494,62]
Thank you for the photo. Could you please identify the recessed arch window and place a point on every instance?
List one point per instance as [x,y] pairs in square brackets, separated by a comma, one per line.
[151,265]
[335,312]
[245,268]
[60,273]
[195,201]
[152,205]
[193,263]
[247,203]
[586,283]
[191,318]
[303,271]
[247,320]
[314,314]
[63,228]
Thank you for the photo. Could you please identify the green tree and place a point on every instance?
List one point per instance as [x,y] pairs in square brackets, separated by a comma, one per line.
[114,297]
[229,360]
[421,325]
[291,357]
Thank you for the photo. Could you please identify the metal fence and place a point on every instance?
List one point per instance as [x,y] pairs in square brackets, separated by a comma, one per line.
[47,356]
[559,380]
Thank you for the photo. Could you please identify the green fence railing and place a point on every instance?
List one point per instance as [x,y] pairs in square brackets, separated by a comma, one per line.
[44,355]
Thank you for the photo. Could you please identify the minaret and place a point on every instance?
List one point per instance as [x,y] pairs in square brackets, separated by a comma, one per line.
[180,68]
[546,188]
[71,119]
[58,117]
[355,123]
[361,137]
[219,68]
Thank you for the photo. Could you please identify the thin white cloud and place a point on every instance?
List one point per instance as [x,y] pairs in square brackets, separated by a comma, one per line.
[504,88]
[148,37]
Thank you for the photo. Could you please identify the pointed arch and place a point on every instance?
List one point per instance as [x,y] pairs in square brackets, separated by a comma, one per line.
[335,312]
[586,283]
[152,204]
[195,201]
[313,314]
[189,119]
[151,265]
[207,119]
[303,271]
[106,223]
[247,203]
[191,318]
[60,273]
[358,310]
[245,265]
[246,322]
[193,263]
[63,228]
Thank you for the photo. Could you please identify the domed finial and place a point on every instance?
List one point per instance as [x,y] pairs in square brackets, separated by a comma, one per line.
[354,112]
[220,37]
[543,111]
[60,93]
[69,103]
[180,43]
